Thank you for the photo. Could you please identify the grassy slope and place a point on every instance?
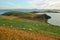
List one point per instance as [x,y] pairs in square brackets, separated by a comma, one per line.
[29,24]
[13,34]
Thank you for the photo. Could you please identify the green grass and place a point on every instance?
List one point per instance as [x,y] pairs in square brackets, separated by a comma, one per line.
[13,13]
[29,24]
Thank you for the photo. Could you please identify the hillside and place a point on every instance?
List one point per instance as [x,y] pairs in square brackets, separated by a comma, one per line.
[13,34]
[28,15]
[14,28]
[30,25]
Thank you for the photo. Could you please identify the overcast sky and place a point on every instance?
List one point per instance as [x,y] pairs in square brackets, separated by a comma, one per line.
[29,4]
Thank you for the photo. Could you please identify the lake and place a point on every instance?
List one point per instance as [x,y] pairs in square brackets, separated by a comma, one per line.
[55,17]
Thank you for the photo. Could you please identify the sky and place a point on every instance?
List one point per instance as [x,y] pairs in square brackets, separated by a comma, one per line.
[29,4]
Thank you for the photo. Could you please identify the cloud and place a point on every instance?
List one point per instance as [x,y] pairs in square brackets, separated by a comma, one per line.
[39,4]
[45,4]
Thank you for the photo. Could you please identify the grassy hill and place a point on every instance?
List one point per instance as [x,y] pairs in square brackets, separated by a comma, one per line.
[14,34]
[29,25]
[14,13]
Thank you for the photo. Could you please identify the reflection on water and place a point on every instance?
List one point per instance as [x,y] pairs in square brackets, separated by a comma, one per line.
[55,20]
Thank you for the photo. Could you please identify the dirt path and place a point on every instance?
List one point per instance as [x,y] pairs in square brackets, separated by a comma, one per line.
[13,34]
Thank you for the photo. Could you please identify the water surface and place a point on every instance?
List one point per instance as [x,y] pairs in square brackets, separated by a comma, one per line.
[55,18]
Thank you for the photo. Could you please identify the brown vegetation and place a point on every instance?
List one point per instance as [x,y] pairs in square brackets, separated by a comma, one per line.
[31,16]
[13,34]
[9,17]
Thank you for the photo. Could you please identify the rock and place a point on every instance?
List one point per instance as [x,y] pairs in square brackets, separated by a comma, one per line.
[30,29]
[3,24]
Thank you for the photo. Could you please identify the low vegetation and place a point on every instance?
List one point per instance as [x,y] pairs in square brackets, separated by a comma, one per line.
[13,34]
[28,15]
[30,25]
[14,28]
[13,13]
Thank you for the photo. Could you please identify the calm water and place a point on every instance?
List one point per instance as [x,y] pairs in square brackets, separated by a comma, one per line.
[55,20]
